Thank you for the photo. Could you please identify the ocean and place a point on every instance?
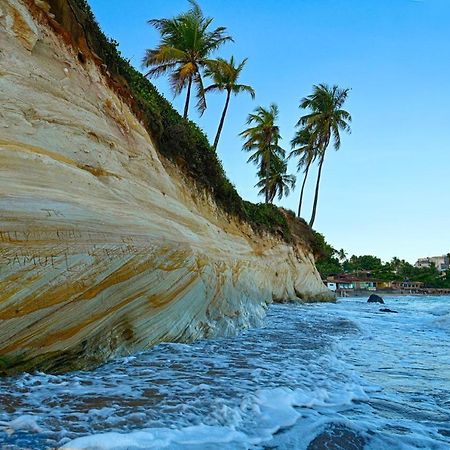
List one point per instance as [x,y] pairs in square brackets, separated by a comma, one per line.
[316,376]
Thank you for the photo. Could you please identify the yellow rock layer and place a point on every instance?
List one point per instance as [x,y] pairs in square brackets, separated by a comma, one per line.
[102,250]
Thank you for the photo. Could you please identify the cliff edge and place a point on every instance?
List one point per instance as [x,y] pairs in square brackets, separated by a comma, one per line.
[106,246]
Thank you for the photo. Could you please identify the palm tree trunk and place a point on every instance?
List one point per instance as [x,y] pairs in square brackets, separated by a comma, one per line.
[222,120]
[316,194]
[188,97]
[303,189]
[267,179]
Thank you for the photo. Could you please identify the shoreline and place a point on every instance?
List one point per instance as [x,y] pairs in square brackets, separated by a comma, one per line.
[344,293]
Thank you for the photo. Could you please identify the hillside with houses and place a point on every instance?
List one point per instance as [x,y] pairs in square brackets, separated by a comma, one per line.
[358,275]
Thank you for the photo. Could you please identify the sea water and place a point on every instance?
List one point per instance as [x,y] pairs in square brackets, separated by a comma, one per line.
[317,376]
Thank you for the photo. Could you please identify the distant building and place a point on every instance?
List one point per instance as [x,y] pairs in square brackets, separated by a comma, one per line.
[363,282]
[408,285]
[411,285]
[441,263]
[383,284]
[365,285]
[345,281]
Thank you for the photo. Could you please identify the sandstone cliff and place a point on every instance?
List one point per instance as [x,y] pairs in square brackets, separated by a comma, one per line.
[105,247]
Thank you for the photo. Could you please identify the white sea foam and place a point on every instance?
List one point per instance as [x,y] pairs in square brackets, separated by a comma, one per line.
[272,410]
[196,436]
[311,374]
[25,422]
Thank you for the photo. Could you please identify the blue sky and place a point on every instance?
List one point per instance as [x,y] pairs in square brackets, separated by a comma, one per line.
[387,191]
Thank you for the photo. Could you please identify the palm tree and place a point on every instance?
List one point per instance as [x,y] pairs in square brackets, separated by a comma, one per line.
[184,50]
[304,147]
[395,264]
[342,255]
[263,140]
[279,182]
[225,75]
[326,119]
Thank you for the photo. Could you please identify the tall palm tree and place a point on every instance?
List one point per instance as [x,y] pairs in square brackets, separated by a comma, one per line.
[326,119]
[303,147]
[184,51]
[263,140]
[225,75]
[279,182]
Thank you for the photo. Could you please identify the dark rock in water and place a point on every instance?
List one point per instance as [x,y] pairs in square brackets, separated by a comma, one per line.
[375,299]
[388,310]
[338,437]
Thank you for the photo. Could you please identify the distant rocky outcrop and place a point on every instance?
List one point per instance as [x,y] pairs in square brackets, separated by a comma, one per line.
[107,248]
[375,299]
[388,310]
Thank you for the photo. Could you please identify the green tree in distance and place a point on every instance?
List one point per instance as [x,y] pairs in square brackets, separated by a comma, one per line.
[325,119]
[225,75]
[329,262]
[342,255]
[184,51]
[262,138]
[279,183]
[365,262]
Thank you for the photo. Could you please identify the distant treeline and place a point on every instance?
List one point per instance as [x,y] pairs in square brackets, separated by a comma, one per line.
[337,261]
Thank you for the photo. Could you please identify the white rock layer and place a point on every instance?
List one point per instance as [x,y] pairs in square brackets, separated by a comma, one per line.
[102,250]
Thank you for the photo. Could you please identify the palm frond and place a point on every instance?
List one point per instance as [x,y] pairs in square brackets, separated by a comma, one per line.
[200,93]
[238,88]
[186,43]
[161,70]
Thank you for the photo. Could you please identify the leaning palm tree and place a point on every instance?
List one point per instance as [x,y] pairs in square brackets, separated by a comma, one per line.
[184,51]
[279,182]
[263,140]
[225,75]
[305,149]
[326,119]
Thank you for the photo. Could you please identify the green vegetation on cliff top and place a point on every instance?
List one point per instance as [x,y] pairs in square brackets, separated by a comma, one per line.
[178,139]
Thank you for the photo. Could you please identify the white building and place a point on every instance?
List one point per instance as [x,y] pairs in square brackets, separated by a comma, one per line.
[441,262]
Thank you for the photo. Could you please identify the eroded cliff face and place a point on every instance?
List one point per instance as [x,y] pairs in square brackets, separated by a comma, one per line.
[105,250]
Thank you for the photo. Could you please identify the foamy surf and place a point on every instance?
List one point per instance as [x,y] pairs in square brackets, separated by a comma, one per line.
[341,376]
[272,410]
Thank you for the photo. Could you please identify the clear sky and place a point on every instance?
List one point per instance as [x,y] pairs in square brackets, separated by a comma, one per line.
[387,191]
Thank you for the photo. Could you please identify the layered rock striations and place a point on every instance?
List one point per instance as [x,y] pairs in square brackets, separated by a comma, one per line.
[105,248]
